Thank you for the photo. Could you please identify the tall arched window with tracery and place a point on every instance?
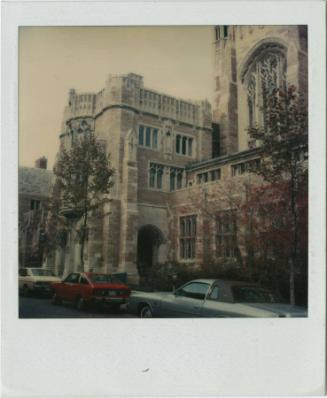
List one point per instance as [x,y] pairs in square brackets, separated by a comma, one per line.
[265,72]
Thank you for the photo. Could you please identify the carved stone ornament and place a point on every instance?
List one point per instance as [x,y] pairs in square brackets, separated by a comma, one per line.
[131,141]
[78,126]
[167,136]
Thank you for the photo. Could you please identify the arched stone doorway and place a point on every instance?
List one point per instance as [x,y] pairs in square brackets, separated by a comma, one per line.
[149,240]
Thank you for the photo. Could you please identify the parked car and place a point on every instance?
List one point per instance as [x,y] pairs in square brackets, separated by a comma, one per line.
[212,298]
[85,288]
[36,280]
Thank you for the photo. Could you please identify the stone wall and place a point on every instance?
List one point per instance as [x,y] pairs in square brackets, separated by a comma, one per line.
[205,201]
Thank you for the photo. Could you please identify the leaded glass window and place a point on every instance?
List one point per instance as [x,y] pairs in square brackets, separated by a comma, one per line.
[184,140]
[187,237]
[190,142]
[215,174]
[175,178]
[178,144]
[184,145]
[148,136]
[155,175]
[155,138]
[141,135]
[266,74]
[226,242]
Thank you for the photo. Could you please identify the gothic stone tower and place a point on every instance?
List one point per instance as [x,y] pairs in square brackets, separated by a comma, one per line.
[242,54]
[150,137]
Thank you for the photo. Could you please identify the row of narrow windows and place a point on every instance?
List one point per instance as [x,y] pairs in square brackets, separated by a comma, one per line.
[245,167]
[237,169]
[226,235]
[211,175]
[184,145]
[149,137]
[157,175]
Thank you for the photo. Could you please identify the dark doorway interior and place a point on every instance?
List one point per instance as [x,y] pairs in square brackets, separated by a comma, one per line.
[148,241]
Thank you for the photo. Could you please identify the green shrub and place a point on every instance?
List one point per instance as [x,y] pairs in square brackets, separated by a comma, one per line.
[270,274]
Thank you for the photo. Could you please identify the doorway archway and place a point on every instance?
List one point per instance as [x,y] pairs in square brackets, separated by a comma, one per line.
[149,239]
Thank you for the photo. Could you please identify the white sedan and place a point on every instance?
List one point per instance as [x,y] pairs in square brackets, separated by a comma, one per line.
[36,280]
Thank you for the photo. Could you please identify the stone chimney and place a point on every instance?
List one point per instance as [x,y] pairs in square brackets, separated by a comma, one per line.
[41,163]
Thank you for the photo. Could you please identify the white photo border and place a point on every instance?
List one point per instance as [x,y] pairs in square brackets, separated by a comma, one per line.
[210,357]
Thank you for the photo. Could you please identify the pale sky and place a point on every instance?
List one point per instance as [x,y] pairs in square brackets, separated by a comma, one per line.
[174,60]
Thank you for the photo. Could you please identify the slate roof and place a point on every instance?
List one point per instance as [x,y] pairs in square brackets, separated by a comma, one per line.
[34,181]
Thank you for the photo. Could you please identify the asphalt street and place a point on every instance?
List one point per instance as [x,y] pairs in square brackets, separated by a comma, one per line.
[42,307]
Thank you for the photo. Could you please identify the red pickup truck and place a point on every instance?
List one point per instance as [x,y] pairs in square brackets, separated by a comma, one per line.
[85,288]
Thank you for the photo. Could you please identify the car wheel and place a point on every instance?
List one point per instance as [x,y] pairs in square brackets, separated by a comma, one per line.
[146,312]
[26,291]
[80,303]
[55,299]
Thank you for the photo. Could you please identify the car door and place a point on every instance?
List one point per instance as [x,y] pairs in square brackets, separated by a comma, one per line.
[69,287]
[187,301]
[219,303]
[84,288]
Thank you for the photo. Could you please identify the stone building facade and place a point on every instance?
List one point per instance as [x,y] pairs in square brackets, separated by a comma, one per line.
[34,189]
[173,158]
[151,137]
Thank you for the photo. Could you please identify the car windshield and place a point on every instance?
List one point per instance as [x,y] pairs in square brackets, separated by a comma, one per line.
[253,294]
[103,278]
[41,272]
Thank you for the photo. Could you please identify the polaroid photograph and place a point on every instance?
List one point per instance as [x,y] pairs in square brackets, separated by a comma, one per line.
[172,170]
[149,191]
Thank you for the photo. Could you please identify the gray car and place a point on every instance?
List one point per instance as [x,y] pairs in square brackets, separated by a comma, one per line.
[212,298]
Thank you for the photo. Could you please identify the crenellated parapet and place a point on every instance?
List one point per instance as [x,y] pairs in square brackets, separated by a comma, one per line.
[128,91]
[79,105]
